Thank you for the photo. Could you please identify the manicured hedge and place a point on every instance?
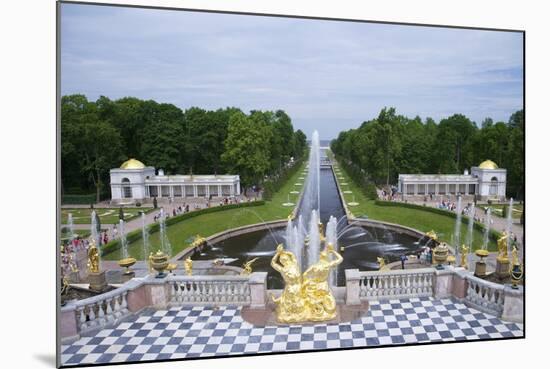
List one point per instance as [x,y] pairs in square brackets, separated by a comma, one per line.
[271,186]
[78,199]
[477,225]
[367,187]
[136,234]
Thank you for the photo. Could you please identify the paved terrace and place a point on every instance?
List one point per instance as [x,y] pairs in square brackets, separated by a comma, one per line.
[189,332]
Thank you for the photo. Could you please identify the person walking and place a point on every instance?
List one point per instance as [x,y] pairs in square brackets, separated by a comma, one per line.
[403,259]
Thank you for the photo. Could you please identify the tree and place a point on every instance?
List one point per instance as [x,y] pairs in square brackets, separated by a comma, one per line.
[247,148]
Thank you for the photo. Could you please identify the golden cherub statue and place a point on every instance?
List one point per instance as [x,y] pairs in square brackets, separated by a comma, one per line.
[432,235]
[188,265]
[247,267]
[515,257]
[291,305]
[93,257]
[463,256]
[65,287]
[502,244]
[150,262]
[319,299]
[382,267]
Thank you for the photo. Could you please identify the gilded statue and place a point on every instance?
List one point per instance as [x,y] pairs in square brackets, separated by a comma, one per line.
[432,235]
[319,300]
[291,305]
[463,256]
[382,267]
[93,258]
[188,265]
[502,244]
[247,267]
[515,257]
[150,262]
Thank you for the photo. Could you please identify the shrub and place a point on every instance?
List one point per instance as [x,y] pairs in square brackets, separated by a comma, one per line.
[271,186]
[136,234]
[370,191]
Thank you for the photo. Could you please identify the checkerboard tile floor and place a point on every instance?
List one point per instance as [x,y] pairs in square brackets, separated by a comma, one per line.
[185,332]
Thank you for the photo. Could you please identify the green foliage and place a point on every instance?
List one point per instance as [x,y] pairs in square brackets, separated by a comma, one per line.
[247,147]
[120,213]
[78,199]
[494,235]
[370,191]
[274,184]
[100,135]
[392,144]
[133,236]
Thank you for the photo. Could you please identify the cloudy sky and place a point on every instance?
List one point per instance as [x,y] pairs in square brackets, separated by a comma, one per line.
[326,75]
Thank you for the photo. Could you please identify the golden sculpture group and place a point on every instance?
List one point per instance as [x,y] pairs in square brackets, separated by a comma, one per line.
[306,296]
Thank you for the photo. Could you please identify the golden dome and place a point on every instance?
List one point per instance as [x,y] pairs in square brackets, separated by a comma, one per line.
[488,164]
[132,164]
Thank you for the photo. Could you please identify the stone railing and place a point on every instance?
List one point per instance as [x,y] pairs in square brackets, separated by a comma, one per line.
[396,284]
[215,290]
[82,317]
[484,295]
[451,282]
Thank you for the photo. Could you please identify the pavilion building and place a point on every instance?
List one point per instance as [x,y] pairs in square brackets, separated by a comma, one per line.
[134,181]
[486,181]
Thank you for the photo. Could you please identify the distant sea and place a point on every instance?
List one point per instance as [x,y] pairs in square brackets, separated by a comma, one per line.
[321,142]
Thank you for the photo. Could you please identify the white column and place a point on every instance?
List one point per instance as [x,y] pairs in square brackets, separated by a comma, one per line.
[220,193]
[171,191]
[238,188]
[195,190]
[446,188]
[207,190]
[159,191]
[182,189]
[416,188]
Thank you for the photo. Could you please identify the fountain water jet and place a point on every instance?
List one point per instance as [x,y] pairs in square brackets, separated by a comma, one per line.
[123,241]
[164,241]
[145,235]
[509,227]
[457,230]
[486,230]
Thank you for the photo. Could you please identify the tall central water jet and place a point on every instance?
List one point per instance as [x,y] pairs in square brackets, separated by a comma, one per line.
[311,198]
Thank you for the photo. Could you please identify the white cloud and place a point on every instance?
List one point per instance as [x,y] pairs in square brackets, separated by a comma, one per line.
[335,73]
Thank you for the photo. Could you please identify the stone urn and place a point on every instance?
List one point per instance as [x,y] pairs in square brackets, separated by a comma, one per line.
[441,252]
[159,262]
[127,263]
[481,267]
[516,276]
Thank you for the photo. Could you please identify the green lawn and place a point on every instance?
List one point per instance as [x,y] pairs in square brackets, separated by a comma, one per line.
[496,209]
[424,221]
[181,234]
[106,216]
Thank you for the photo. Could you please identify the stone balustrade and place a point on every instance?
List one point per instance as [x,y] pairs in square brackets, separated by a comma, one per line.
[198,290]
[82,317]
[396,284]
[484,295]
[452,282]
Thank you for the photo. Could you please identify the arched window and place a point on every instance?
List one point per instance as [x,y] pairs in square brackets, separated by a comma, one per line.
[126,188]
[493,189]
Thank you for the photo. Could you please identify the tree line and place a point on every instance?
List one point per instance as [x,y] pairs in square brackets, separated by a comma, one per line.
[99,135]
[391,144]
